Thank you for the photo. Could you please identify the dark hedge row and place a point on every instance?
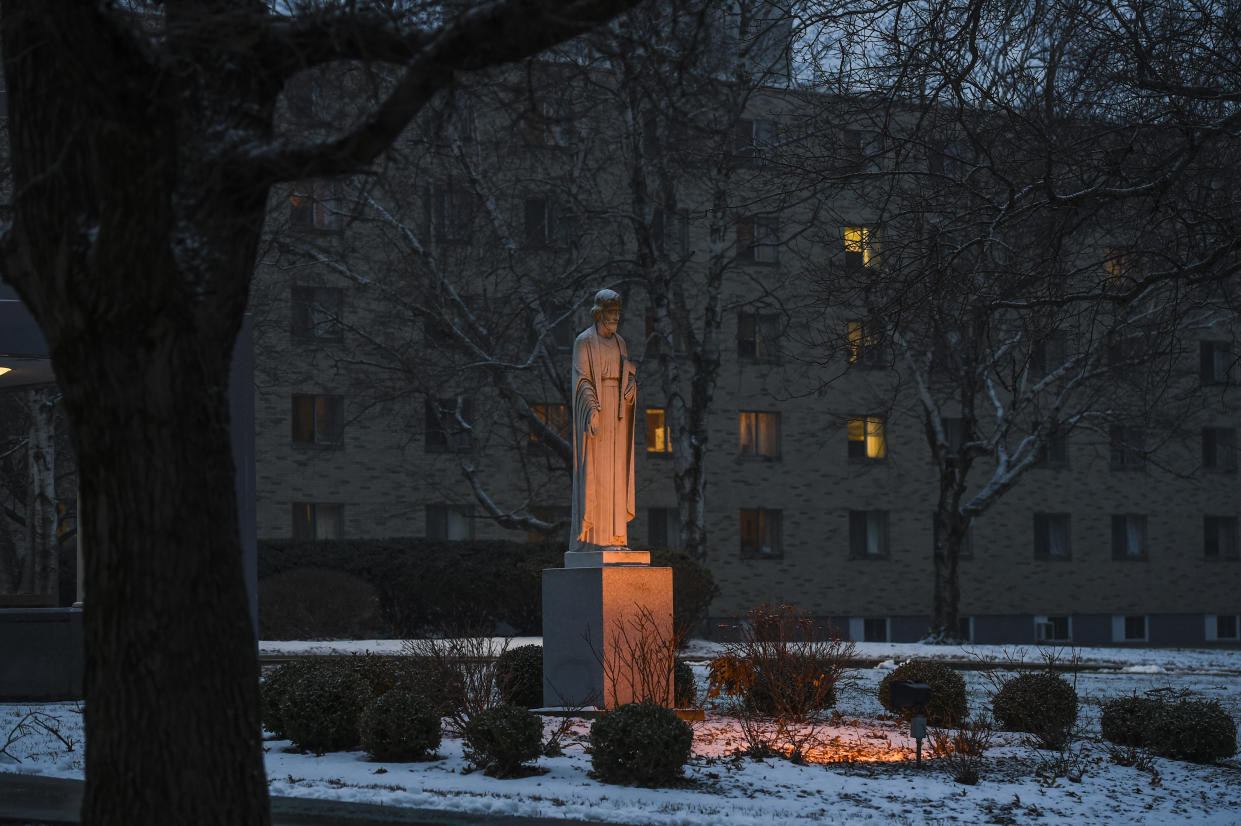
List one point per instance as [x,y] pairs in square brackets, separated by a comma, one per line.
[430,585]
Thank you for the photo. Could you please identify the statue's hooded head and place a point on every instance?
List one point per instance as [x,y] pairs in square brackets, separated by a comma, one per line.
[605,300]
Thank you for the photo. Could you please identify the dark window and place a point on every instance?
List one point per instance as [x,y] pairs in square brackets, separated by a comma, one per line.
[1128,536]
[1047,356]
[756,140]
[1135,628]
[868,438]
[758,336]
[548,225]
[1051,629]
[657,440]
[451,213]
[1051,536]
[663,527]
[865,345]
[760,534]
[1054,452]
[1219,537]
[875,629]
[654,344]
[868,534]
[318,420]
[1128,447]
[760,433]
[1214,362]
[555,416]
[450,521]
[550,123]
[317,313]
[1219,449]
[447,425]
[670,233]
[758,240]
[318,520]
[954,432]
[1225,626]
[316,206]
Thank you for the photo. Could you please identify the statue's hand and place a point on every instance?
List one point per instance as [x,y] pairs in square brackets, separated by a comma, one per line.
[631,390]
[592,423]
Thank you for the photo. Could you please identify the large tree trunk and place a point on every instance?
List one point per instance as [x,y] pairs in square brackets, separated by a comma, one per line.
[134,257]
[948,536]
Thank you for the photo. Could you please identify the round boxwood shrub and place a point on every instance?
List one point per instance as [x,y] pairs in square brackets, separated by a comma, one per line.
[1197,730]
[500,740]
[1039,702]
[321,707]
[683,688]
[519,675]
[640,743]
[272,691]
[1127,721]
[948,705]
[399,726]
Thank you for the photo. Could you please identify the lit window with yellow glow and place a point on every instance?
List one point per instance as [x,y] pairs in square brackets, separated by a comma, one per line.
[861,247]
[760,433]
[657,431]
[1118,269]
[555,416]
[866,438]
[863,345]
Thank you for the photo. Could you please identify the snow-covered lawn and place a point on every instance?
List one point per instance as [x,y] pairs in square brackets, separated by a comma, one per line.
[1018,784]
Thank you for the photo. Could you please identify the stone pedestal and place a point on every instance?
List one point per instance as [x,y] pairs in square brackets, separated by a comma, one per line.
[604,626]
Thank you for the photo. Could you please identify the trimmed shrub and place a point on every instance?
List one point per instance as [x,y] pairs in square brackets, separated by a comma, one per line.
[501,740]
[399,726]
[640,743]
[948,704]
[1042,703]
[1126,721]
[272,691]
[319,603]
[321,707]
[519,675]
[683,688]
[1200,731]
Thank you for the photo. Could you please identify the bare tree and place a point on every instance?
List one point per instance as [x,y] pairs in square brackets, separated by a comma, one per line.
[142,152]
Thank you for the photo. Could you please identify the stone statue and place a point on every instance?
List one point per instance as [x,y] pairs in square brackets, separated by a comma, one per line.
[604,400]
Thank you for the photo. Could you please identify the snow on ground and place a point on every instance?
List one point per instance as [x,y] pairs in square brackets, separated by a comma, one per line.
[1018,784]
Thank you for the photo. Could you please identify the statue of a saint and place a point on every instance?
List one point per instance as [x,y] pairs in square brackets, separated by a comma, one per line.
[604,399]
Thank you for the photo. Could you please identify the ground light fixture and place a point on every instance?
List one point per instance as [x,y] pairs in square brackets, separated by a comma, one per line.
[906,694]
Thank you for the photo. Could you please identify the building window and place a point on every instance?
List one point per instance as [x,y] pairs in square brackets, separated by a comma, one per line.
[1219,449]
[316,206]
[758,336]
[1051,536]
[450,522]
[663,528]
[760,433]
[550,123]
[654,343]
[1128,536]
[548,225]
[1053,629]
[867,439]
[447,427]
[1223,627]
[760,534]
[1054,452]
[1129,628]
[1128,447]
[875,629]
[670,233]
[868,534]
[758,240]
[1047,356]
[451,214]
[861,247]
[550,514]
[555,416]
[318,420]
[657,440]
[317,313]
[1219,537]
[1214,361]
[1118,270]
[318,520]
[756,139]
[865,345]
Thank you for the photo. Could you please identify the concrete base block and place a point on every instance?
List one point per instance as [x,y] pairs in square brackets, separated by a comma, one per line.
[602,629]
[41,654]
